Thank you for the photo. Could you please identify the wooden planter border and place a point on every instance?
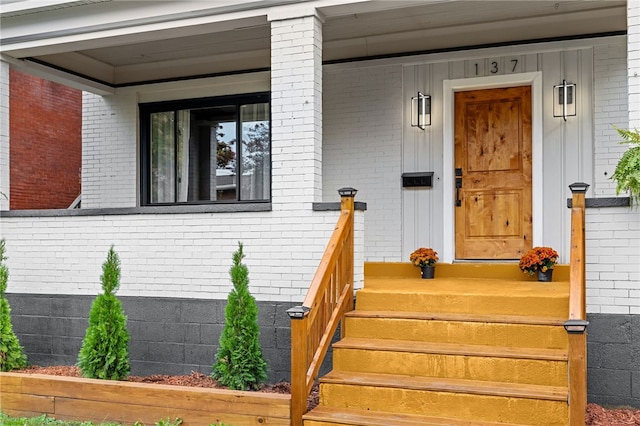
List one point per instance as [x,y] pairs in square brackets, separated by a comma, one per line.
[71,398]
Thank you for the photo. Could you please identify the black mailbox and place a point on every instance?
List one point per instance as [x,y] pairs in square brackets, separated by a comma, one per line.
[417,179]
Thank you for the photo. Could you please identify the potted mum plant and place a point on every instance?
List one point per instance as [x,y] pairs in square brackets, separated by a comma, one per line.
[539,260]
[425,258]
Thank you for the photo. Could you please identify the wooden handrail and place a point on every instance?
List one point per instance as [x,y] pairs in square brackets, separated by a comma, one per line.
[576,326]
[330,296]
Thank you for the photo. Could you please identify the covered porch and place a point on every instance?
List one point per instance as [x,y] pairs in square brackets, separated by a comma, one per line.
[340,77]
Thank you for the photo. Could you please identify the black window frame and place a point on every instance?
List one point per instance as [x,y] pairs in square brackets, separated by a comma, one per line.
[146,109]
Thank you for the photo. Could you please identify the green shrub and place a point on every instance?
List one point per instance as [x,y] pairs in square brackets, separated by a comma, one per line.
[627,171]
[11,353]
[105,348]
[239,362]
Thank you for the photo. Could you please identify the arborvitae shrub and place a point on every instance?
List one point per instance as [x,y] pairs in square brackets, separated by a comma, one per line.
[11,353]
[239,362]
[105,348]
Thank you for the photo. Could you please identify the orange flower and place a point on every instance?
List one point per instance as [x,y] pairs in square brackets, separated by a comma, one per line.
[538,258]
[423,257]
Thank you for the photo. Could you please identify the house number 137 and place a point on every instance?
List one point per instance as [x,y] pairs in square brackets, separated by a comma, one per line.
[494,67]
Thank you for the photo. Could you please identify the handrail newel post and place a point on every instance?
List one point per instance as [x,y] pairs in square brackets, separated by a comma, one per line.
[347,204]
[299,326]
[329,297]
[576,325]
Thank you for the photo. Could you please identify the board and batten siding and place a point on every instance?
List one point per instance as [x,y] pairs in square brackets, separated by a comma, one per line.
[565,149]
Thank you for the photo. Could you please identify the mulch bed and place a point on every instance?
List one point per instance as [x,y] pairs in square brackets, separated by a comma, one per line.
[596,414]
[600,416]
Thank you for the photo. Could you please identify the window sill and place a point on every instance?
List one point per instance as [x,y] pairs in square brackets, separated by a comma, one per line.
[202,208]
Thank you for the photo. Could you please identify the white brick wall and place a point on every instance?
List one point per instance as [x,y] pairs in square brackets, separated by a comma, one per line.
[109,154]
[4,135]
[613,260]
[171,255]
[296,108]
[611,109]
[633,53]
[363,149]
[613,234]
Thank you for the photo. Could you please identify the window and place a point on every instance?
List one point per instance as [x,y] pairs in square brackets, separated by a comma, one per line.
[206,150]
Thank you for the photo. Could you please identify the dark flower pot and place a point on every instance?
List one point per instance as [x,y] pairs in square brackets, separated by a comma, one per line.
[428,272]
[545,276]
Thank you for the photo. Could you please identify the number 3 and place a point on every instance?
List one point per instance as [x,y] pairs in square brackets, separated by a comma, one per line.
[494,67]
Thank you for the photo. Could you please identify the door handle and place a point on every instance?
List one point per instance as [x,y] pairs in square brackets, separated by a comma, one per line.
[458,186]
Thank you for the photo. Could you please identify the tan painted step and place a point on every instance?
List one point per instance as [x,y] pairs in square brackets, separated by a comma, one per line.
[326,416]
[504,270]
[465,296]
[447,360]
[508,331]
[466,400]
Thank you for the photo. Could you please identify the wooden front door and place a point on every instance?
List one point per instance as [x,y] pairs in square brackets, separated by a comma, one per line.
[493,217]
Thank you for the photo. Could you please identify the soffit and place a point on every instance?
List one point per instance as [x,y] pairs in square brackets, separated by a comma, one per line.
[23,7]
[241,40]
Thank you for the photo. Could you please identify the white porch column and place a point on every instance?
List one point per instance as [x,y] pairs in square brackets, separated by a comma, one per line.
[4,135]
[296,102]
[633,62]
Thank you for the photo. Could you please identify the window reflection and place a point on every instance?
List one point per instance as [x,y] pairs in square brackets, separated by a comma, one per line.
[256,161]
[194,154]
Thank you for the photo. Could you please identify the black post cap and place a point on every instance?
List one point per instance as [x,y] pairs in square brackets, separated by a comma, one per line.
[347,192]
[579,187]
[298,312]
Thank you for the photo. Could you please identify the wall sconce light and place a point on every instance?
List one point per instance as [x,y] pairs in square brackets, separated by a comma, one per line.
[421,111]
[575,326]
[564,100]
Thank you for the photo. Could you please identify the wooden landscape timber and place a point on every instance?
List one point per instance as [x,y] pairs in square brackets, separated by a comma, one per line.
[72,398]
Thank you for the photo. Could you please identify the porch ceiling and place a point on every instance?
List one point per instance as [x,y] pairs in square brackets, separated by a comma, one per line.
[121,43]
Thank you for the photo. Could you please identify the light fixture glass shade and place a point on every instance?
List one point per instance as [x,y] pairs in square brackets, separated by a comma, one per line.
[421,111]
[564,100]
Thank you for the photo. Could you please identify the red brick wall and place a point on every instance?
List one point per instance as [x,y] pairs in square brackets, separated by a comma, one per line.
[45,143]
